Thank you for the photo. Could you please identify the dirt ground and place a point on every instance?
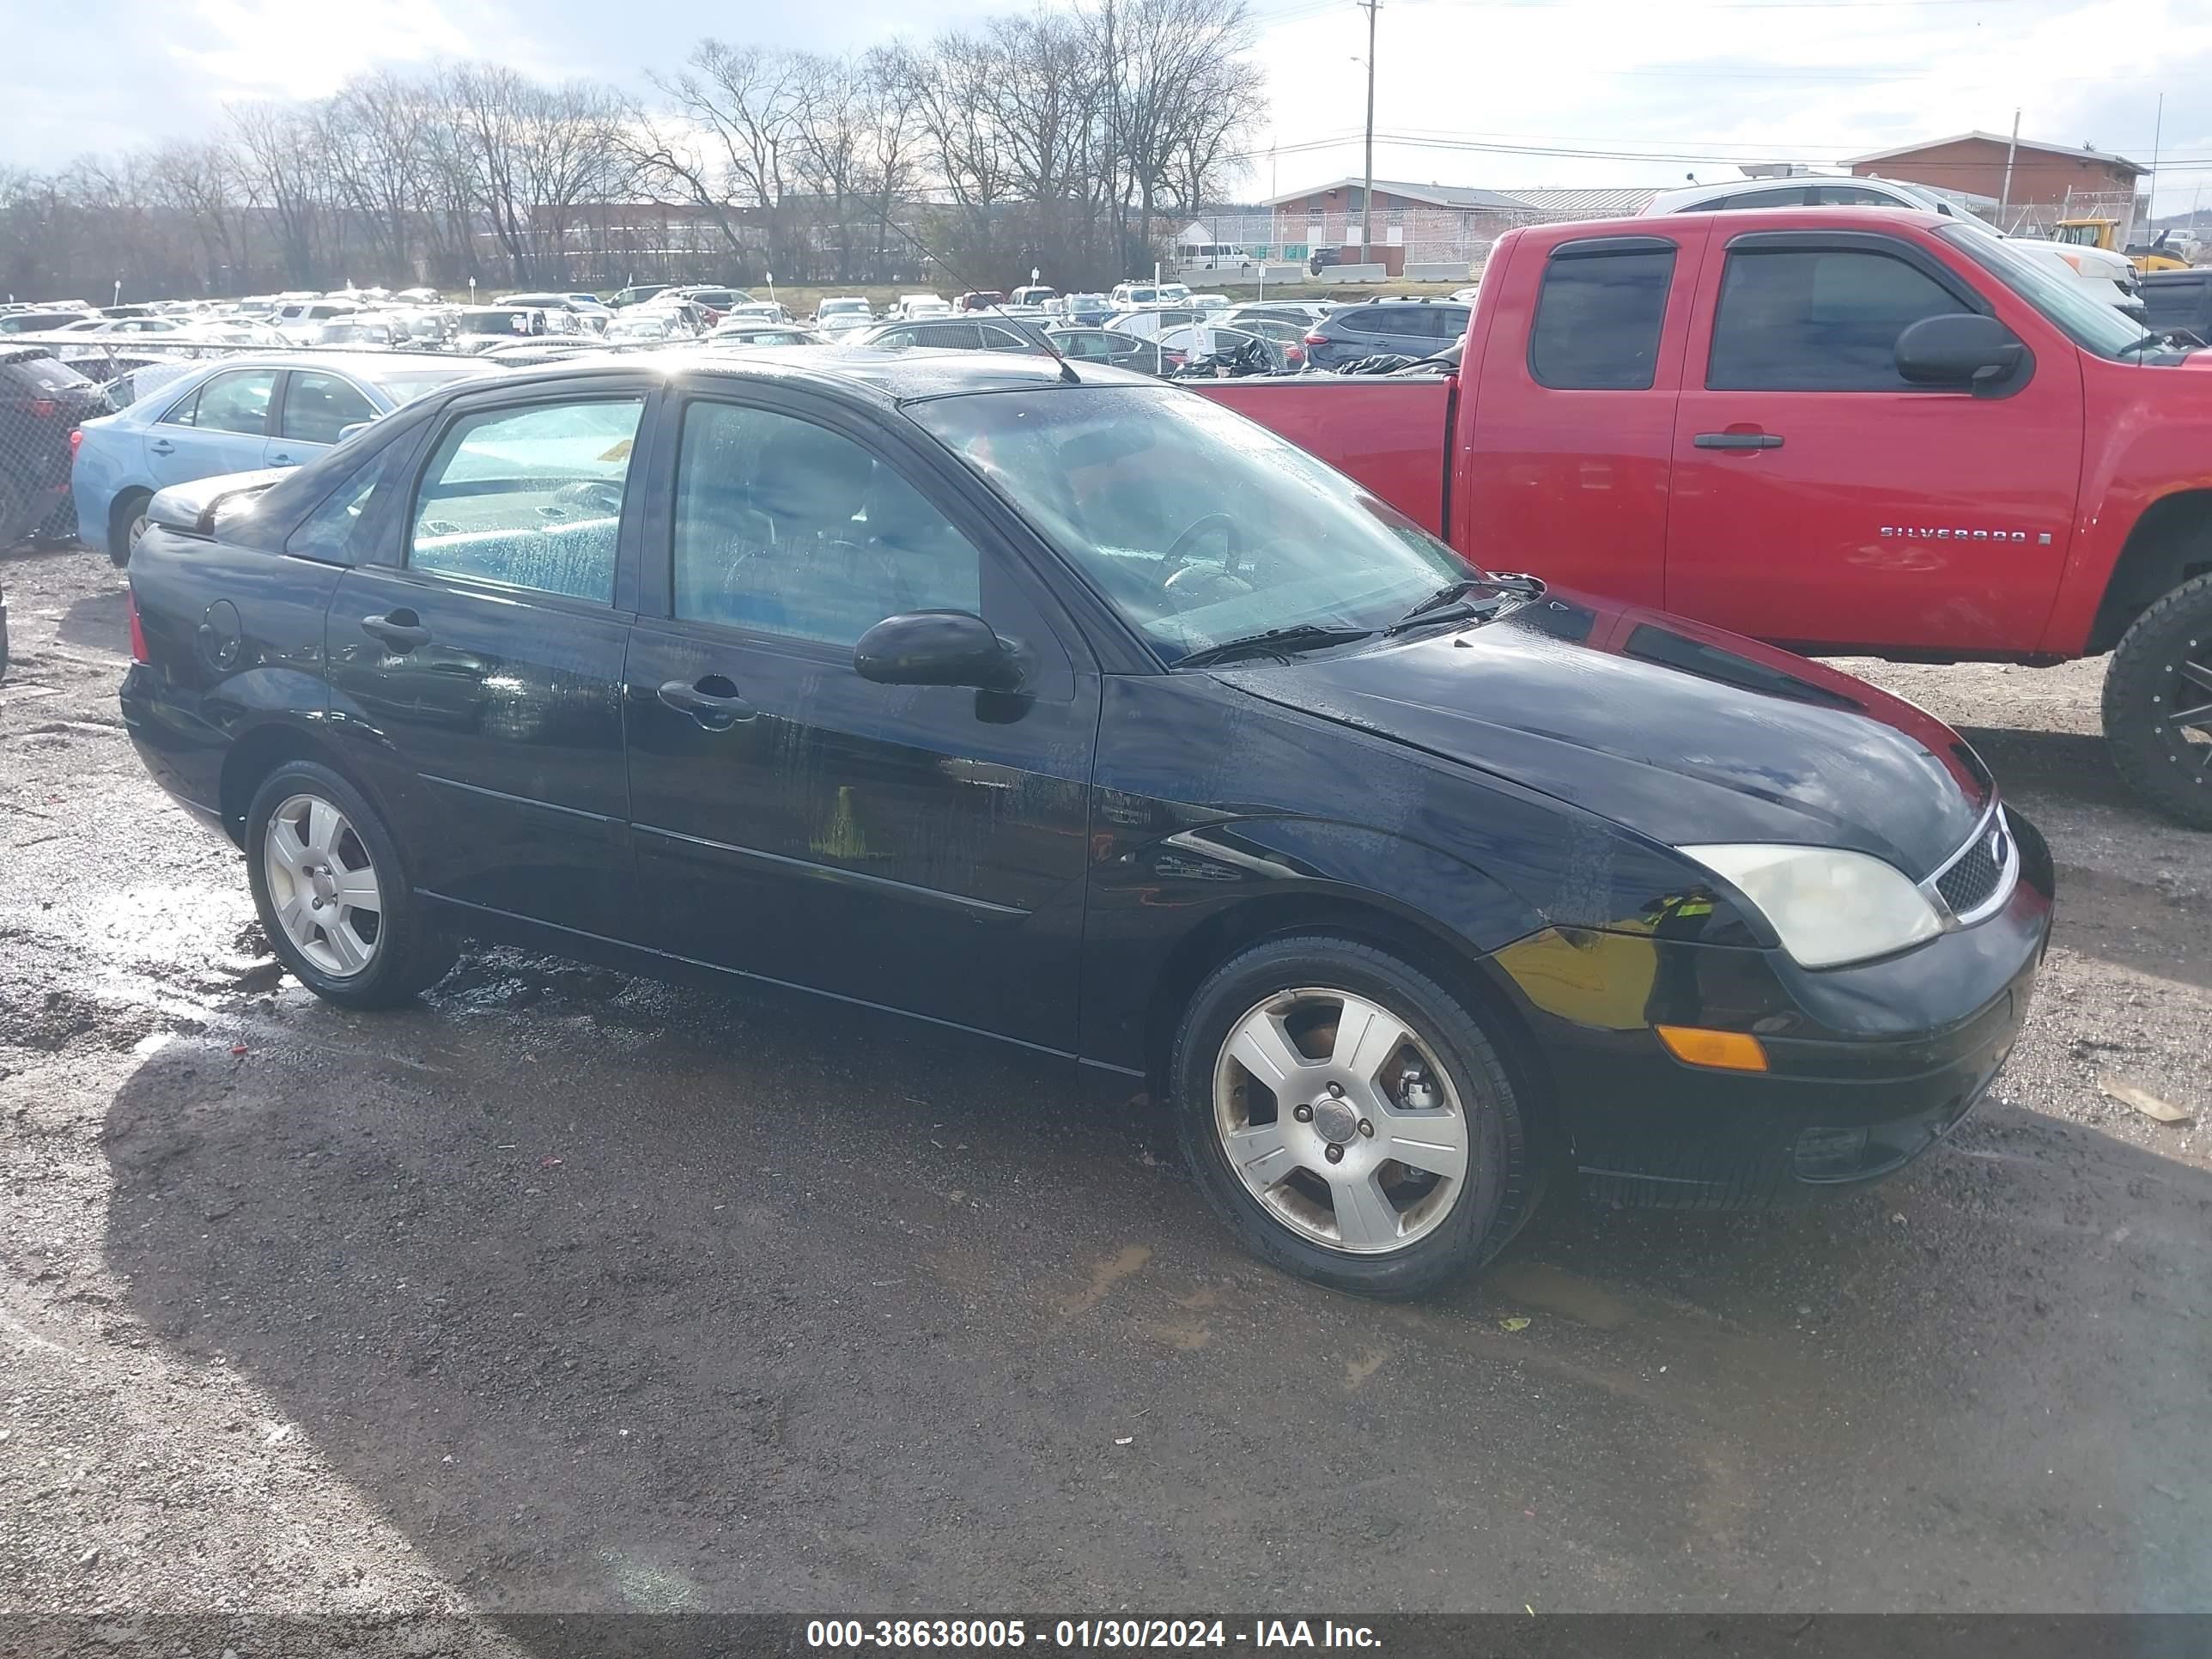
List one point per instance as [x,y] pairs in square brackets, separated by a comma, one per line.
[571,1291]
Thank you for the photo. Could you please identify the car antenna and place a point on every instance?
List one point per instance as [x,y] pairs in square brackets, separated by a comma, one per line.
[1067,374]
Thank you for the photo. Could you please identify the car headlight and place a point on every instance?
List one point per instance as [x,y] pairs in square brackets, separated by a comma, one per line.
[1827,906]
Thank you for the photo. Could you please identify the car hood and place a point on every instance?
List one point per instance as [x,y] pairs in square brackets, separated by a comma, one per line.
[1683,734]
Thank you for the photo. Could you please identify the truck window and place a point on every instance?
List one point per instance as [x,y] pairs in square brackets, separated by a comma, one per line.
[1598,318]
[1817,319]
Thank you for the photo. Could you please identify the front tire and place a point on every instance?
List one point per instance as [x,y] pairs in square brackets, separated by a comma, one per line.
[333,894]
[126,523]
[1351,1118]
[2158,704]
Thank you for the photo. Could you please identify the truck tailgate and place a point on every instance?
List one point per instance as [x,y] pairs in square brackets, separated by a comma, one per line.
[1390,434]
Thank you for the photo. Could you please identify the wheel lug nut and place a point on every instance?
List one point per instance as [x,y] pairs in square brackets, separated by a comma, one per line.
[1366,1128]
[1303,1113]
[1334,1154]
[1337,1090]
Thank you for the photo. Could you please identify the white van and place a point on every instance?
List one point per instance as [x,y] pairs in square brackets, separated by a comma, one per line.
[1213,255]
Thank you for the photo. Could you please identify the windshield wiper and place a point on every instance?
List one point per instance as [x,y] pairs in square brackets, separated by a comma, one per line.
[1452,599]
[1275,642]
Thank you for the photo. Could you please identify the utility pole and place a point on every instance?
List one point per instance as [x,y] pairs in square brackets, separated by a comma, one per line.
[2004,200]
[1367,187]
[2150,199]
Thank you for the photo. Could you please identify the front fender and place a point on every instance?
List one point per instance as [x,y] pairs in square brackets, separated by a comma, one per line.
[2137,452]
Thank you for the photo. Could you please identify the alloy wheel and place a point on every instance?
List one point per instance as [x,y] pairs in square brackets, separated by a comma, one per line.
[322,886]
[2183,721]
[1337,1117]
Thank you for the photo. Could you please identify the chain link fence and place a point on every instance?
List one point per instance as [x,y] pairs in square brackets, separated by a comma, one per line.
[51,384]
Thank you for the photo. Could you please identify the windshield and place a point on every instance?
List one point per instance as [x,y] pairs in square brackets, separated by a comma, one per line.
[2080,315]
[1196,525]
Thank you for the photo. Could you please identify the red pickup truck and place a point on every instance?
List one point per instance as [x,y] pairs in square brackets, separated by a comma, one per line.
[1845,432]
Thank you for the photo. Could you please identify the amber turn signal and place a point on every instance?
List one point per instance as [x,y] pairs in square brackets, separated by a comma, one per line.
[1732,1051]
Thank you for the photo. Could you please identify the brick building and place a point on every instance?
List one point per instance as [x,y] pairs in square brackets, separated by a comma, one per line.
[2047,179]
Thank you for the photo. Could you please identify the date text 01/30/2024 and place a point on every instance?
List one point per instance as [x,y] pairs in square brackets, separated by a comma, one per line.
[1086,1633]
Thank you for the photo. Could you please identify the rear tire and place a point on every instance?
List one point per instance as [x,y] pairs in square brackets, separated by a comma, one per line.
[2162,669]
[126,523]
[333,894]
[1309,1174]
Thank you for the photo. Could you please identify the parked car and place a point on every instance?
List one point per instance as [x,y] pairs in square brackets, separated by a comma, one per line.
[236,415]
[1893,435]
[42,401]
[756,311]
[128,387]
[843,314]
[1105,345]
[1291,337]
[1210,306]
[1149,323]
[637,326]
[1190,343]
[1303,313]
[1166,752]
[714,302]
[750,333]
[1085,310]
[2108,274]
[921,305]
[478,326]
[636,294]
[986,298]
[1033,294]
[37,322]
[298,320]
[416,296]
[1411,327]
[365,329]
[990,333]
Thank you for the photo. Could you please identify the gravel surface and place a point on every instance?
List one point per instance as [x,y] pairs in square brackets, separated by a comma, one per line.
[568,1291]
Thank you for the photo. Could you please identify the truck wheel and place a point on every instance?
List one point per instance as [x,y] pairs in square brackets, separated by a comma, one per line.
[126,523]
[333,896]
[1349,1117]
[2158,704]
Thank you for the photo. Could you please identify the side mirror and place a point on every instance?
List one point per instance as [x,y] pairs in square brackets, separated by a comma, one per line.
[1959,350]
[345,432]
[937,647]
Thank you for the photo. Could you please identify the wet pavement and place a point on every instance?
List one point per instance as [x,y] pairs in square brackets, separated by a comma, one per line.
[572,1291]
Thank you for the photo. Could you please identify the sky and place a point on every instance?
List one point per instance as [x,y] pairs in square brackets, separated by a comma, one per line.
[1468,91]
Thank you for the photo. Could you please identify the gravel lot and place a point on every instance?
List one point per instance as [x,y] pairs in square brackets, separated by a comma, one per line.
[571,1292]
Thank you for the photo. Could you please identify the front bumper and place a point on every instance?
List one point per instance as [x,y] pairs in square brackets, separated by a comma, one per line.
[1868,1066]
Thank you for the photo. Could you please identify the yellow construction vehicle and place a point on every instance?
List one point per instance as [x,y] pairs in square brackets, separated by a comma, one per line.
[2104,233]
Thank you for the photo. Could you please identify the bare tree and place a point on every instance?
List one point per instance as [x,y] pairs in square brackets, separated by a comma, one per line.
[727,138]
[284,173]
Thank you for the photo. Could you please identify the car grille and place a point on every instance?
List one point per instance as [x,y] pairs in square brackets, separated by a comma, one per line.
[1972,879]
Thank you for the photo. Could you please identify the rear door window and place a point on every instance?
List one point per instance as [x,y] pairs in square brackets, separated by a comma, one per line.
[1598,319]
[529,498]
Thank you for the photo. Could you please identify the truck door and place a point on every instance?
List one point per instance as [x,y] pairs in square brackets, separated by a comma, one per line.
[1565,470]
[1821,501]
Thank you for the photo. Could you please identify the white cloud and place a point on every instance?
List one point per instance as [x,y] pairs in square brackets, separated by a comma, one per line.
[282,48]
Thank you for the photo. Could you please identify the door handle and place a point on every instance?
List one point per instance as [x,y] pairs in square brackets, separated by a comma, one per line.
[1738,440]
[282,460]
[162,447]
[711,701]
[401,630]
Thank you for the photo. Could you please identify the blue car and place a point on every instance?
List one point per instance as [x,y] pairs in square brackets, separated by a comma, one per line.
[236,415]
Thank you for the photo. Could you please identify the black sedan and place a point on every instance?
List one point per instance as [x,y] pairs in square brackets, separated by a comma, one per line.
[1061,707]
